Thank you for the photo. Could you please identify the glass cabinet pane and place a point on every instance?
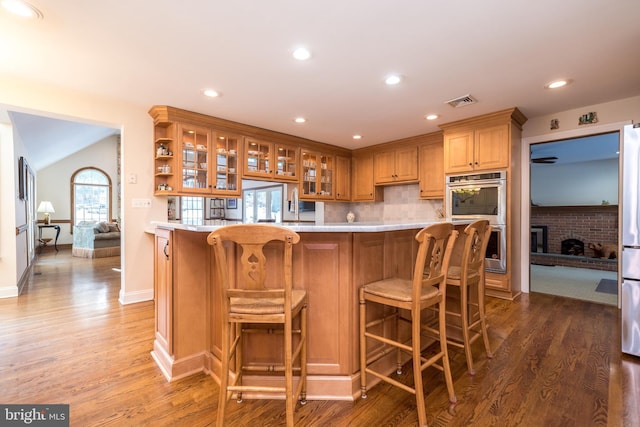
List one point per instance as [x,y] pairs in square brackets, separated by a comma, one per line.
[326,175]
[258,158]
[309,162]
[195,158]
[226,162]
[286,162]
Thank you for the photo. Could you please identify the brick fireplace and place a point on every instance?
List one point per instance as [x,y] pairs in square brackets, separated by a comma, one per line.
[560,235]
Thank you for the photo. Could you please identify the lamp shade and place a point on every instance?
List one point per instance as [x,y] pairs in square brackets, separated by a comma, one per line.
[46,207]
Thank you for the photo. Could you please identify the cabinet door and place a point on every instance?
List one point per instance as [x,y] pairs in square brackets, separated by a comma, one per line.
[163,289]
[432,171]
[226,166]
[363,186]
[258,155]
[317,176]
[286,163]
[194,159]
[458,152]
[343,178]
[385,167]
[406,165]
[492,148]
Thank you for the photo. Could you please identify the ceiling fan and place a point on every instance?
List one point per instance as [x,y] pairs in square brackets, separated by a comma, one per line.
[545,160]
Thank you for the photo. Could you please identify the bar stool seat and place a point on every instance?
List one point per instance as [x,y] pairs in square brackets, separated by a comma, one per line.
[260,299]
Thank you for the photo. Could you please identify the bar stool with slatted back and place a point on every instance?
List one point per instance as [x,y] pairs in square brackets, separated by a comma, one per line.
[468,282]
[434,251]
[262,294]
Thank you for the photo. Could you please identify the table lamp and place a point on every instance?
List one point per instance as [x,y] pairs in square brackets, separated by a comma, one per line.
[46,208]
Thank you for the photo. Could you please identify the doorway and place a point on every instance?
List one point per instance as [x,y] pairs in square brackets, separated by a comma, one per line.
[573,207]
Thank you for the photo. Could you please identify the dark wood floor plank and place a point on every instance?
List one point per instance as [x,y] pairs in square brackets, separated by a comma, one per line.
[67,339]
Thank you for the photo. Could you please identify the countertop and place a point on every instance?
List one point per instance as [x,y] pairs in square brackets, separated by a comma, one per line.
[308,227]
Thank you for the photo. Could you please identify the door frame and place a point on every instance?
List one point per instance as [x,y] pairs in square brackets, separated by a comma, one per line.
[525,190]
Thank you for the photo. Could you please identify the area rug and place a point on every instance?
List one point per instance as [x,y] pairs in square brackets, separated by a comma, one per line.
[607,286]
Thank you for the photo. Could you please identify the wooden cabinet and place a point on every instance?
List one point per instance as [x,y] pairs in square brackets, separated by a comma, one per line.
[431,170]
[164,148]
[180,289]
[484,148]
[364,189]
[193,159]
[396,166]
[317,176]
[272,161]
[163,285]
[226,166]
[485,143]
[343,178]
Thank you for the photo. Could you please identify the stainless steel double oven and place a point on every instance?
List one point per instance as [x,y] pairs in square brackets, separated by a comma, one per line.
[482,196]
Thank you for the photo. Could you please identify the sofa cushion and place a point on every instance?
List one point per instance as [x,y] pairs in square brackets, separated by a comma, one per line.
[102,227]
[107,236]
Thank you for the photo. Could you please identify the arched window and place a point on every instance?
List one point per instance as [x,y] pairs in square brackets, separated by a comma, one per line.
[90,196]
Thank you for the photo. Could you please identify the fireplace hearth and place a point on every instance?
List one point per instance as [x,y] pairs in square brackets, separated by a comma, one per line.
[572,247]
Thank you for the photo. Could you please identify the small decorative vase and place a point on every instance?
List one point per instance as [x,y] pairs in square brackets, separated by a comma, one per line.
[351,217]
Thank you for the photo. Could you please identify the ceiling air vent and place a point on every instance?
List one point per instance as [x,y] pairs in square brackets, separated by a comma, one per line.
[462,101]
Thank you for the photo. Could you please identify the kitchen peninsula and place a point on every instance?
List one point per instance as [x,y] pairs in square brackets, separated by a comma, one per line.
[331,261]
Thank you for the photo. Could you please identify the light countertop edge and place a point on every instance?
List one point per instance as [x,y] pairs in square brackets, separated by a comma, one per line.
[336,227]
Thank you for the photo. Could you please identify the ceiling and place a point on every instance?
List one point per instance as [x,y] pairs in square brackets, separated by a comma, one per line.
[166,52]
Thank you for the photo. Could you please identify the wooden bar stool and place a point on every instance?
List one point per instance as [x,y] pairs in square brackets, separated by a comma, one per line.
[465,305]
[434,251]
[254,297]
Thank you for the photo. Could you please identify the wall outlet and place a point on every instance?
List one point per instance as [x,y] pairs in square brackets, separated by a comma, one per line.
[141,203]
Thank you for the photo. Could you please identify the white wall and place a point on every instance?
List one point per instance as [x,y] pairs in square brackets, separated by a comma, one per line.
[575,184]
[54,181]
[136,128]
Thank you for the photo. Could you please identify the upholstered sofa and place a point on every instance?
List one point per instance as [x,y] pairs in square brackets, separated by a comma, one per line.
[96,239]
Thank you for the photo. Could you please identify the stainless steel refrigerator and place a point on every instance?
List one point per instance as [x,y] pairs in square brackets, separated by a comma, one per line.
[630,295]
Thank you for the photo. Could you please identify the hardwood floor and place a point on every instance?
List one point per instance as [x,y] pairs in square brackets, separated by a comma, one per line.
[68,340]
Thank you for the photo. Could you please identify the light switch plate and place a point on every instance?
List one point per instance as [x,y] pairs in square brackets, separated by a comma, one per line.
[141,203]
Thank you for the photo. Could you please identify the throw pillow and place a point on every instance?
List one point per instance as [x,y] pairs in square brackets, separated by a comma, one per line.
[102,227]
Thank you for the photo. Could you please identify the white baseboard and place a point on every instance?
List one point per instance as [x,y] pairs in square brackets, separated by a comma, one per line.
[135,297]
[8,291]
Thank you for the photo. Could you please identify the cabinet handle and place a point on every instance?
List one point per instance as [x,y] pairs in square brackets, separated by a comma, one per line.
[470,164]
[166,245]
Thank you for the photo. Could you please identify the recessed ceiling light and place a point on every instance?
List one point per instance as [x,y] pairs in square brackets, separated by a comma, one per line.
[301,54]
[21,8]
[357,136]
[211,93]
[556,84]
[299,120]
[392,79]
[431,116]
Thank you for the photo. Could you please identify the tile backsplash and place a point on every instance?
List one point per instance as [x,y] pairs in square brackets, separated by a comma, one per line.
[401,203]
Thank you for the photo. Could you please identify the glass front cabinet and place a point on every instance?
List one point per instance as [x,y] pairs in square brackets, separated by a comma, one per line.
[267,160]
[194,149]
[317,176]
[226,165]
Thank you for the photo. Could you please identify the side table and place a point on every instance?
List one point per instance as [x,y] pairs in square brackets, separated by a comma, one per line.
[44,243]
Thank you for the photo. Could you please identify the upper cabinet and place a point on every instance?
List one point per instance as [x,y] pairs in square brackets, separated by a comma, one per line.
[343,178]
[200,155]
[396,166]
[477,149]
[317,176]
[193,158]
[364,189]
[227,164]
[480,143]
[431,158]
